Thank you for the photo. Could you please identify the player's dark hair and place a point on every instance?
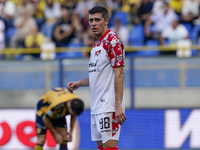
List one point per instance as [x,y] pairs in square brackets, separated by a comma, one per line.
[77,106]
[99,9]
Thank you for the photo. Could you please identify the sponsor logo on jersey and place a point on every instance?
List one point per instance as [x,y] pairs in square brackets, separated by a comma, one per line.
[119,58]
[105,131]
[94,64]
[97,53]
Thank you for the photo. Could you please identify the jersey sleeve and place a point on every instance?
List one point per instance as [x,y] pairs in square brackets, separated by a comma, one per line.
[50,113]
[116,52]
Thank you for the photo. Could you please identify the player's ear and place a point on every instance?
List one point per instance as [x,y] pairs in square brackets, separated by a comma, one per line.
[106,22]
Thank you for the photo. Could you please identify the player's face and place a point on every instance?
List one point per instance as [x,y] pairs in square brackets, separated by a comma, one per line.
[97,24]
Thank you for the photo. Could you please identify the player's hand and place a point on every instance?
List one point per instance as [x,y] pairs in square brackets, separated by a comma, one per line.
[119,114]
[69,136]
[58,138]
[71,86]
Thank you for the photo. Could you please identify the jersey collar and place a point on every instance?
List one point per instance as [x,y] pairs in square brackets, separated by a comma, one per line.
[103,36]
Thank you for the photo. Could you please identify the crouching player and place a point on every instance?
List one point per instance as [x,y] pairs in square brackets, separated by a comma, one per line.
[51,111]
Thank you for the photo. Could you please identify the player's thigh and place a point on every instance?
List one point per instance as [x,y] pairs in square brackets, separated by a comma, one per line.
[63,133]
[61,127]
[95,132]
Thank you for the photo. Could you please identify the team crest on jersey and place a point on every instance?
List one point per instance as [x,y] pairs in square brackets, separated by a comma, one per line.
[97,53]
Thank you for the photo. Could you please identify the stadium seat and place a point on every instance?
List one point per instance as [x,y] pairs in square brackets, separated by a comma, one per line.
[148,52]
[194,33]
[123,16]
[188,27]
[136,35]
[74,44]
[63,55]
[194,37]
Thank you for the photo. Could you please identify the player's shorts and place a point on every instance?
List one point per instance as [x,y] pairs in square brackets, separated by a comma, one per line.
[57,123]
[104,127]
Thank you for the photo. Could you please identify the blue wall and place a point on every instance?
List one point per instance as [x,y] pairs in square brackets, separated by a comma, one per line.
[143,129]
[143,78]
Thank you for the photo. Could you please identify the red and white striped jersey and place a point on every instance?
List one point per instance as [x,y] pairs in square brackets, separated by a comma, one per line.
[107,53]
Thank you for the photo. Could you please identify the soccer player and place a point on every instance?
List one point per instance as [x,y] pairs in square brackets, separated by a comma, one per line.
[105,81]
[51,111]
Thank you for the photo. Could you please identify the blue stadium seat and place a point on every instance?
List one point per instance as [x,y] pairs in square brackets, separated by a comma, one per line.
[147,53]
[136,35]
[188,27]
[194,37]
[63,55]
[136,43]
[194,33]
[74,44]
[123,16]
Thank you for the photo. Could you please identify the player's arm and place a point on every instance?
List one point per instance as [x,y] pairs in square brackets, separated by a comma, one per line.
[119,86]
[72,122]
[71,86]
[48,124]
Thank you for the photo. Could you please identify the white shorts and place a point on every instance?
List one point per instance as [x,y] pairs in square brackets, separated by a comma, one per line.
[104,127]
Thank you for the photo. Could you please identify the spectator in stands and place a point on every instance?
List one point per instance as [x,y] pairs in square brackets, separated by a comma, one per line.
[176,5]
[198,37]
[2,32]
[109,4]
[121,31]
[52,13]
[25,7]
[144,10]
[82,31]
[64,31]
[117,4]
[34,39]
[85,21]
[7,12]
[78,28]
[161,19]
[190,11]
[24,24]
[88,39]
[71,4]
[82,6]
[158,5]
[105,3]
[173,34]
[39,11]
[133,13]
[125,5]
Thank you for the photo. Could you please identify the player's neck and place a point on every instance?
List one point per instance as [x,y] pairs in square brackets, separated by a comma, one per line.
[99,37]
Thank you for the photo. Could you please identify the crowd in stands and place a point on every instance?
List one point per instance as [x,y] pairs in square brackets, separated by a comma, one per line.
[30,23]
